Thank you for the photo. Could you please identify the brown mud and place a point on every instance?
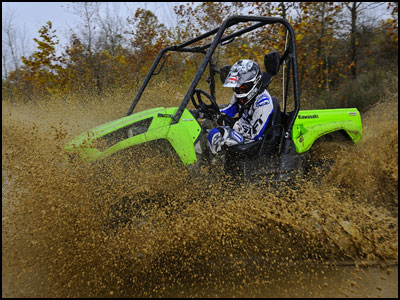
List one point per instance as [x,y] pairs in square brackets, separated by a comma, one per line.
[336,236]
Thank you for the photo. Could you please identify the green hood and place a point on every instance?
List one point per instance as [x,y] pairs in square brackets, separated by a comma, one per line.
[109,138]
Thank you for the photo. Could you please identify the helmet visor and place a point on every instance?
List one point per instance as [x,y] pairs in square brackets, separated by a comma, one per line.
[244,88]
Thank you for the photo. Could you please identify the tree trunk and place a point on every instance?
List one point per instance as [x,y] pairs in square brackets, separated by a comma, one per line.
[353,46]
[319,49]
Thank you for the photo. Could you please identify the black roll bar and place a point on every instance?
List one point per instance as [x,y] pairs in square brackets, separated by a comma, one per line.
[290,54]
[147,79]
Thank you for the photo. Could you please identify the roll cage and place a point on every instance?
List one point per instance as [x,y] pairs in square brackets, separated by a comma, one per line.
[289,57]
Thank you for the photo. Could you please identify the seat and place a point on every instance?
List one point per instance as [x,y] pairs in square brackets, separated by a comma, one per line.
[270,139]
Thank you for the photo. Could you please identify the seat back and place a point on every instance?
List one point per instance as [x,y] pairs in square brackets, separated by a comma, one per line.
[272,63]
[273,131]
[276,116]
[265,80]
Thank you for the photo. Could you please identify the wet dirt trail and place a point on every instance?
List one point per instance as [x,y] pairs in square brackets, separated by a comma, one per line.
[334,236]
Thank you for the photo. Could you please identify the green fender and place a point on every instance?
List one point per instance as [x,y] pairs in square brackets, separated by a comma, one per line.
[312,124]
[149,125]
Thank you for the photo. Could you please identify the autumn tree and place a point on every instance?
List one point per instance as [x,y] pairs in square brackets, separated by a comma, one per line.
[393,22]
[194,19]
[146,37]
[42,67]
[75,74]
[271,38]
[87,33]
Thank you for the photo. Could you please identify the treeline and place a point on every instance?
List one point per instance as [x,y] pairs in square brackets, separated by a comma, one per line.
[337,43]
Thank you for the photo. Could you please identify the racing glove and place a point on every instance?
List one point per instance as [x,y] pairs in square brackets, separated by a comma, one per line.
[224,120]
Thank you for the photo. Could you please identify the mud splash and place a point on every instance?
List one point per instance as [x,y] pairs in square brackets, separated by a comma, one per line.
[201,237]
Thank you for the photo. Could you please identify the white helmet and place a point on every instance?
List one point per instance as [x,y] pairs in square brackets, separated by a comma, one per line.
[244,77]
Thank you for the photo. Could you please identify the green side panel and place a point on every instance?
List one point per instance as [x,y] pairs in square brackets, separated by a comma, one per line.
[312,124]
[107,139]
[183,135]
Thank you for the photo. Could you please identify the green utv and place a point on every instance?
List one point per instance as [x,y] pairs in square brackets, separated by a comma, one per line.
[285,143]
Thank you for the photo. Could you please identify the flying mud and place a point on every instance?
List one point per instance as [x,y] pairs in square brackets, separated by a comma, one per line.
[193,236]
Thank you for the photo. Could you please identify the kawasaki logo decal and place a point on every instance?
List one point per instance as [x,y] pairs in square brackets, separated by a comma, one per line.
[314,116]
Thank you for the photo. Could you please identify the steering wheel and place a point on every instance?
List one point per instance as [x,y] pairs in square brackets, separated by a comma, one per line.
[210,111]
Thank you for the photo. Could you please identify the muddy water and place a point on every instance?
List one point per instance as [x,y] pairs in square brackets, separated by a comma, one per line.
[332,235]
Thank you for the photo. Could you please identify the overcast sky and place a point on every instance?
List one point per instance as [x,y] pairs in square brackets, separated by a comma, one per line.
[31,16]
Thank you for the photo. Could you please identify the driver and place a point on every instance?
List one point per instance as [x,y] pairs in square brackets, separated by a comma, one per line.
[245,118]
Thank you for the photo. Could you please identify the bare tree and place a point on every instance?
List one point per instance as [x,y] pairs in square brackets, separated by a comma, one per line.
[14,43]
[111,28]
[9,42]
[356,9]
[88,12]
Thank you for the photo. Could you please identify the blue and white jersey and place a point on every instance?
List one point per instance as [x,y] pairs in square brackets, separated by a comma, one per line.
[254,120]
